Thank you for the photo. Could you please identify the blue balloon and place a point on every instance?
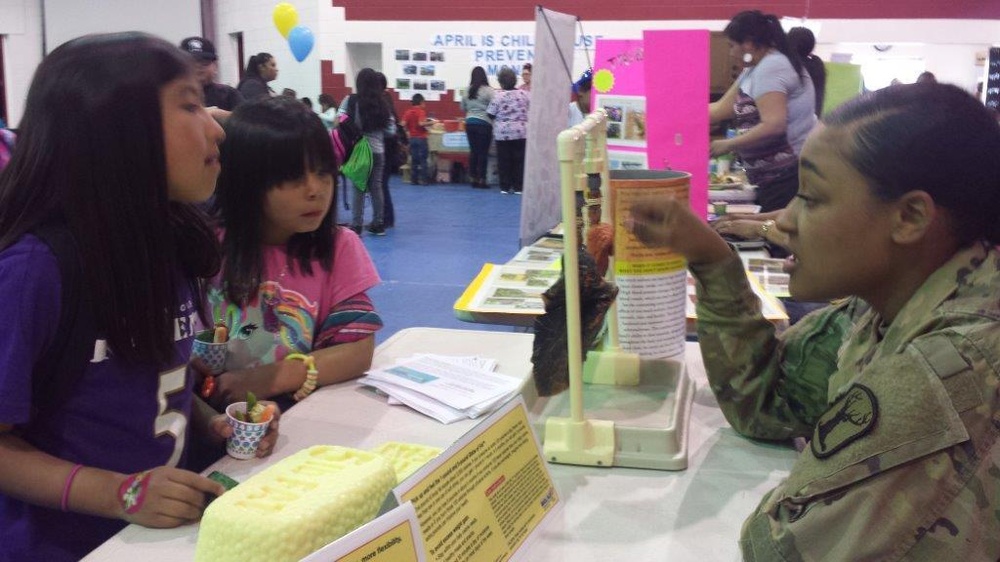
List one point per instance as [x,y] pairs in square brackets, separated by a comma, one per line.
[301,40]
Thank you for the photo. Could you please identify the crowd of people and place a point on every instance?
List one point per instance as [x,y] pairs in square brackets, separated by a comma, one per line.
[111,268]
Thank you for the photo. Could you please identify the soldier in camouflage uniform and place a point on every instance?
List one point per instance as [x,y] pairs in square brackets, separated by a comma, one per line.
[895,387]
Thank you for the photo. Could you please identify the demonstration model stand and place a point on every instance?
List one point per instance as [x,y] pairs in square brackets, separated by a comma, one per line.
[639,408]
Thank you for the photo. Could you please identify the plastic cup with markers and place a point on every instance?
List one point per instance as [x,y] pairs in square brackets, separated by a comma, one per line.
[249,421]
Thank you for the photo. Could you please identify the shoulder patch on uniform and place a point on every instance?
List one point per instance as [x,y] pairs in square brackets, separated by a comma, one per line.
[849,419]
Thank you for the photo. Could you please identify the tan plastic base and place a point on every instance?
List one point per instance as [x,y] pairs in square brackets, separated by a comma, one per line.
[589,442]
[650,420]
[611,366]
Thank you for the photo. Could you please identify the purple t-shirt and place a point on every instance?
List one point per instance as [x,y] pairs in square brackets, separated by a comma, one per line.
[120,417]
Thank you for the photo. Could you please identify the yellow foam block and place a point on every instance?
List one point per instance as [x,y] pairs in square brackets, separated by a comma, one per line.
[406,458]
[295,507]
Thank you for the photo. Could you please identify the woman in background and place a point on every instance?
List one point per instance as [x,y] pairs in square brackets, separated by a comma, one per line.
[509,111]
[392,155]
[526,76]
[261,69]
[802,42]
[328,111]
[478,126]
[773,104]
[374,117]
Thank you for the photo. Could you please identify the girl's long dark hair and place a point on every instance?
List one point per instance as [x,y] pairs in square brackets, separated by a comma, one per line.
[477,79]
[763,30]
[371,104]
[91,154]
[269,142]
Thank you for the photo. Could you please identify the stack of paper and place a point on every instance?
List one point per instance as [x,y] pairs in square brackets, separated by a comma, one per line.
[447,389]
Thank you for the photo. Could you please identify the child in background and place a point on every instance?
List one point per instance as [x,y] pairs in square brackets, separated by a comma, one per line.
[293,282]
[328,111]
[98,445]
[416,122]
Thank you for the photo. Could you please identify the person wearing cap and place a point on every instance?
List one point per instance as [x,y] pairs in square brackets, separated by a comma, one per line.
[217,95]
[580,107]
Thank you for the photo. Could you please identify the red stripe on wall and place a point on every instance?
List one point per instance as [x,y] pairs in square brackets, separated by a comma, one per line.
[594,10]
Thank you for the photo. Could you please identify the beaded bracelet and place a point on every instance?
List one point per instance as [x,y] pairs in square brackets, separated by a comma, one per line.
[64,504]
[311,375]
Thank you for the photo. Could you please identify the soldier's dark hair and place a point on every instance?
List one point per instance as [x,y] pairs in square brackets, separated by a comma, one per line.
[932,137]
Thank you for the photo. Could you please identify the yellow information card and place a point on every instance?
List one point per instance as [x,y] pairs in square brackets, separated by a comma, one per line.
[480,499]
[392,537]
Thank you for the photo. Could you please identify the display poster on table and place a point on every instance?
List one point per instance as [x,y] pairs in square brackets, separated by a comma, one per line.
[619,88]
[392,537]
[484,496]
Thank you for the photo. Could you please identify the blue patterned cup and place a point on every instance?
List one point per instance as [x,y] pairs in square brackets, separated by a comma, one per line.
[246,436]
[212,354]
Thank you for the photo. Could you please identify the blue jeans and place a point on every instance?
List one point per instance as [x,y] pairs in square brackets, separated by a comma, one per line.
[418,160]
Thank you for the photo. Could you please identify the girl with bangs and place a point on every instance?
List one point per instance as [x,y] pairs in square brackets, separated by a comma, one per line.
[293,284]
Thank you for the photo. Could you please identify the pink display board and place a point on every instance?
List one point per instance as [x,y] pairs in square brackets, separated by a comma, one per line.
[656,93]
[620,88]
[676,78]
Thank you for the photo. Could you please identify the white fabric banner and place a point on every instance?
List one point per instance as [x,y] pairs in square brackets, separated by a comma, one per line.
[551,86]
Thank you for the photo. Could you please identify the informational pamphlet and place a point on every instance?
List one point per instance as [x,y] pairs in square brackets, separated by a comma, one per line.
[444,389]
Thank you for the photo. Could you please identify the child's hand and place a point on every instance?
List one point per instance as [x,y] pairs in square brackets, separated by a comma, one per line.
[165,497]
[220,430]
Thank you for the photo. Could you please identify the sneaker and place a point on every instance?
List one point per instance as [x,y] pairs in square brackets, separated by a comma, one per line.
[377,230]
[504,190]
[517,192]
[356,229]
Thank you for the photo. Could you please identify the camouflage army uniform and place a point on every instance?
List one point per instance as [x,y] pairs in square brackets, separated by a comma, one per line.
[903,461]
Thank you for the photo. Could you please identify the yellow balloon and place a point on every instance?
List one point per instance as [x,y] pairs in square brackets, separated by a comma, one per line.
[285,18]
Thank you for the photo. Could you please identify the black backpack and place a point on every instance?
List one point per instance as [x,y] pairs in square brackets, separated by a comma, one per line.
[347,133]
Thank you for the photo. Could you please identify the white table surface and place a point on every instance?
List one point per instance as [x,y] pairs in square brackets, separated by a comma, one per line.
[605,514]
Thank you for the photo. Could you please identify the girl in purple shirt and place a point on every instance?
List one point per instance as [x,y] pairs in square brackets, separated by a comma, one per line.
[115,145]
